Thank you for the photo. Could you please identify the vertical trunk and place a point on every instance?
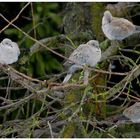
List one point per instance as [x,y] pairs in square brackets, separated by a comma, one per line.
[77,23]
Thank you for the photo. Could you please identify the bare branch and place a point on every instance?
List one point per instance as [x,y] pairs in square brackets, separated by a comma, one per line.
[131,76]
[15,18]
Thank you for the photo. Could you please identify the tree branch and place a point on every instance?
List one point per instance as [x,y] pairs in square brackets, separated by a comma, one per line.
[130,77]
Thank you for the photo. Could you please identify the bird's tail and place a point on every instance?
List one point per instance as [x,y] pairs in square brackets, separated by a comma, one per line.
[66,79]
[137,29]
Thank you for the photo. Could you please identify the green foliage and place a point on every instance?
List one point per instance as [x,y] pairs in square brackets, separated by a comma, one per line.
[43,63]
[120,131]
[84,111]
[45,15]
[47,22]
[68,130]
[104,45]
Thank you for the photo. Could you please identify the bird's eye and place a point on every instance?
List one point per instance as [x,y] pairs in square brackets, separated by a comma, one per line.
[9,44]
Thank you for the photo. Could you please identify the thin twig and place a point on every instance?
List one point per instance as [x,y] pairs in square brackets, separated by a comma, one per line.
[23,75]
[134,74]
[50,128]
[101,71]
[33,39]
[15,18]
[33,17]
[95,126]
[16,104]
[79,107]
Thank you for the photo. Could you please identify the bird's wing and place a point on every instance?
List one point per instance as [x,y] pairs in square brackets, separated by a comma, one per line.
[78,54]
[122,25]
[92,56]
[74,55]
[78,51]
[16,48]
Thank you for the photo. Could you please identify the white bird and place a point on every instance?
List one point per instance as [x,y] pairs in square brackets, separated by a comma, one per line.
[9,51]
[88,54]
[117,28]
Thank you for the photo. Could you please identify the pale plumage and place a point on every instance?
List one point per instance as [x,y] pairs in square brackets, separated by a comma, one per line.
[117,28]
[133,112]
[87,54]
[9,52]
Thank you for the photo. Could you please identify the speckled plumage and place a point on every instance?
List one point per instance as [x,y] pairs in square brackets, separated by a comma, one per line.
[87,54]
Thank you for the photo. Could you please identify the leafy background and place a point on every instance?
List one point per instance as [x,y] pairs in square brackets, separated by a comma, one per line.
[81,113]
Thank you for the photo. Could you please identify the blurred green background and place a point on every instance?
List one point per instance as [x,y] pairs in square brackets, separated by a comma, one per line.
[39,20]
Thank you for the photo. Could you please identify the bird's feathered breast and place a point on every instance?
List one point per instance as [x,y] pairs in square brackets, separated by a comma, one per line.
[9,52]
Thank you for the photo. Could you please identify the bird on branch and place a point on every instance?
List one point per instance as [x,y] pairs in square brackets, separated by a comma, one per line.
[88,54]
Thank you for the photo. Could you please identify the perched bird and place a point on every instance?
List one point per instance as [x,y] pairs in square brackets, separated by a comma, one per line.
[133,112]
[9,51]
[117,28]
[88,54]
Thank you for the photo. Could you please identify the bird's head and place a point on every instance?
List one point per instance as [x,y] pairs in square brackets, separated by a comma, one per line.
[107,17]
[7,41]
[93,43]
